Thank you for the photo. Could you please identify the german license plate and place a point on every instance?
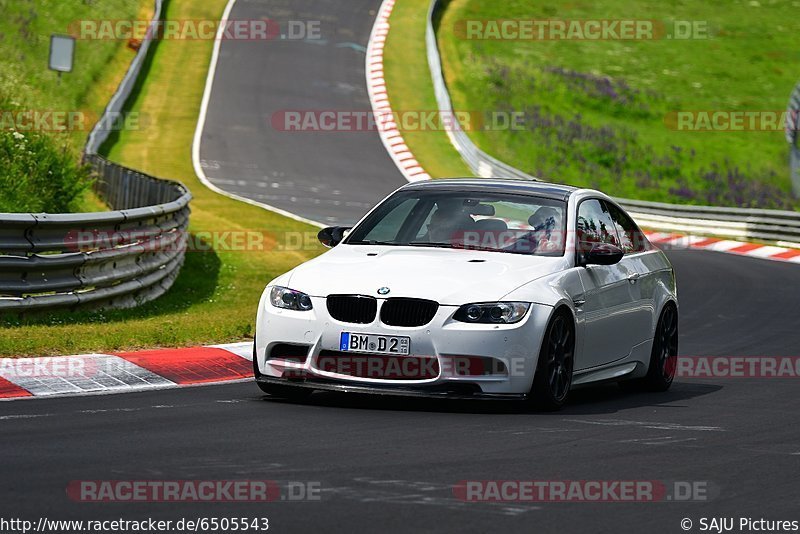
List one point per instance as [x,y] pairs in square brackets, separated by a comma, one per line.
[374,344]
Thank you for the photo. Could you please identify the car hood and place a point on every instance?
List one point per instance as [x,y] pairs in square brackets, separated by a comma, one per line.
[448,276]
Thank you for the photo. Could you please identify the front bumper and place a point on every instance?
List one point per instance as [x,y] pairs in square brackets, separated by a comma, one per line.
[515,347]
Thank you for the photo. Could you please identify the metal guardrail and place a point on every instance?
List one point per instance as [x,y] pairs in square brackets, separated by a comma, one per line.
[782,227]
[113,259]
[116,105]
[116,259]
[481,163]
[739,223]
[792,128]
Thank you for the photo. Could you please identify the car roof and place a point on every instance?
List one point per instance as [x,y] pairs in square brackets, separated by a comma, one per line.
[496,185]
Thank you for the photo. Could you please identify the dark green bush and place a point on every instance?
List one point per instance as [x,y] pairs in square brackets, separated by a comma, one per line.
[37,174]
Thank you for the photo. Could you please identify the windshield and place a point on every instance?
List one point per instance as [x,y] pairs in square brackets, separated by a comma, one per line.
[498,222]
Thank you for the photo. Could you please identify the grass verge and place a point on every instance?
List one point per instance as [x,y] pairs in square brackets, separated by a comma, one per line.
[602,113]
[215,297]
[27,84]
[409,87]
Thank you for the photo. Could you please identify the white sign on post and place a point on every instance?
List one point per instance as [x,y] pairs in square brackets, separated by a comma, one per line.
[62,51]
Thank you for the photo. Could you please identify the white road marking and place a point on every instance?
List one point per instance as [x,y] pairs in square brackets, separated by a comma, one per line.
[684,241]
[201,122]
[648,424]
[245,349]
[24,416]
[376,84]
[418,493]
[96,373]
[536,430]
[766,251]
[664,440]
[724,245]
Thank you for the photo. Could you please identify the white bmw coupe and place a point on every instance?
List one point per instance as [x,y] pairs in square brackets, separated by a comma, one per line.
[473,288]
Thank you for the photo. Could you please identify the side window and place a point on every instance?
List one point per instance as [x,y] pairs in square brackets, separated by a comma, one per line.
[594,225]
[632,239]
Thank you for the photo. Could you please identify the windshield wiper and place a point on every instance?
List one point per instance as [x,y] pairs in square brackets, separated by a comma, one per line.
[437,244]
[373,242]
[409,244]
[479,248]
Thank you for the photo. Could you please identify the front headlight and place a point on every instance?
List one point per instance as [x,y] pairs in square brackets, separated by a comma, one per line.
[492,312]
[283,297]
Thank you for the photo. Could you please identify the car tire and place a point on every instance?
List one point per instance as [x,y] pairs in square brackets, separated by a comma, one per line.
[278,390]
[553,378]
[663,356]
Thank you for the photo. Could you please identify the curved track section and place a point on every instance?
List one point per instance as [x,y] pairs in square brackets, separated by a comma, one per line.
[330,177]
[390,465]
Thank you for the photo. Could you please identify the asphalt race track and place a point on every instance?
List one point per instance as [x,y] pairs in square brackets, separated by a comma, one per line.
[389,465]
[330,177]
[392,462]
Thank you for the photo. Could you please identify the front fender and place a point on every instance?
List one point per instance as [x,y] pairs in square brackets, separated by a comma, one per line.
[558,289]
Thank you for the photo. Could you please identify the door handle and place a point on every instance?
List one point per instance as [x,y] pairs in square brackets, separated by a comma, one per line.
[578,302]
[633,277]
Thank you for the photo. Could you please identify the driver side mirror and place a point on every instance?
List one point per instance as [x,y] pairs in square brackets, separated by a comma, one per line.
[332,235]
[602,254]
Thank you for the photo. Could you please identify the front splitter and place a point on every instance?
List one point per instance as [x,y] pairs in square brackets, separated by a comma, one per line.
[436,392]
